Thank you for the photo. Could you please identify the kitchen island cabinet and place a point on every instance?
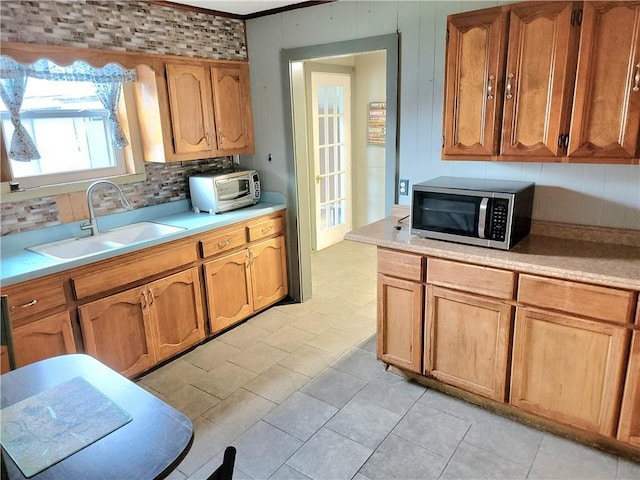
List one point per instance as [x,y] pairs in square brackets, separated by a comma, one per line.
[468,330]
[541,332]
[400,309]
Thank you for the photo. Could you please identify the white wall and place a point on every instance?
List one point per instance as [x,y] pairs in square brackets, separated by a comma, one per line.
[585,194]
[368,161]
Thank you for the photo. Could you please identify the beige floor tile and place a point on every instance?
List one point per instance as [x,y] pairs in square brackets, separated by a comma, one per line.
[211,354]
[355,297]
[192,401]
[273,319]
[368,310]
[173,376]
[296,309]
[245,335]
[356,324]
[222,381]
[332,307]
[308,360]
[277,383]
[259,357]
[337,341]
[209,439]
[240,411]
[289,338]
[315,322]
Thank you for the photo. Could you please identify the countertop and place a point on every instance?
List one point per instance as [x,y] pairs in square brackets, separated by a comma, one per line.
[605,264]
[18,264]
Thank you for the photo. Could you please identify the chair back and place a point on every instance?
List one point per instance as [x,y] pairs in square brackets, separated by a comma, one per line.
[225,471]
[6,335]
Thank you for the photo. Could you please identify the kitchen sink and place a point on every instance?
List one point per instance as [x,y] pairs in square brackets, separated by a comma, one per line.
[80,247]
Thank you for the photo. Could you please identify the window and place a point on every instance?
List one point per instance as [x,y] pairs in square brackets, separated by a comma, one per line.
[67,121]
[71,131]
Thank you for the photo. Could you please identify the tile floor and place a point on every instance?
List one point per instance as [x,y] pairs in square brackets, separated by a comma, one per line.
[299,392]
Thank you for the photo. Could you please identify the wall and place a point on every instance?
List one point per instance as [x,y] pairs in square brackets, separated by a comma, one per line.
[368,194]
[583,194]
[119,25]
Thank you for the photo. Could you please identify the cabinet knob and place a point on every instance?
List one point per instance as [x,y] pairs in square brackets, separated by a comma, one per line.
[509,85]
[490,88]
[636,79]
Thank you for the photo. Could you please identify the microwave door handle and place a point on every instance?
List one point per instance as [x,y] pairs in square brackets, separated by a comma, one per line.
[482,217]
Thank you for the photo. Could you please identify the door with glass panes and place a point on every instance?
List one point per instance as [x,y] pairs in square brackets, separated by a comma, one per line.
[331,138]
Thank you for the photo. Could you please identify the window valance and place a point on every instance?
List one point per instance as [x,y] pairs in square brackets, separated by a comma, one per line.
[78,71]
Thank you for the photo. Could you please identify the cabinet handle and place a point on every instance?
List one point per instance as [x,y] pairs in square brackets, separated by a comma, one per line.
[152,297]
[224,244]
[208,139]
[490,88]
[26,305]
[636,78]
[510,78]
[561,140]
[145,301]
[267,229]
[250,258]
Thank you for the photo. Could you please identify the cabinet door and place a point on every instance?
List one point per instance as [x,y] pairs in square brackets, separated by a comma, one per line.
[228,286]
[539,79]
[400,304]
[467,341]
[568,370]
[232,107]
[606,113]
[629,429]
[268,262]
[190,104]
[117,331]
[48,337]
[474,77]
[176,307]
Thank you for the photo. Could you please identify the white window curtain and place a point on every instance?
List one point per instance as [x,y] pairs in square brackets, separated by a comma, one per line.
[13,79]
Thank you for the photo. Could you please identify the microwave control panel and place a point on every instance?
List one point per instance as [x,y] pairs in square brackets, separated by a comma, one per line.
[499,219]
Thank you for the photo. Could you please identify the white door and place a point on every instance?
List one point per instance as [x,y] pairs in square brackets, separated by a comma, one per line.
[331,114]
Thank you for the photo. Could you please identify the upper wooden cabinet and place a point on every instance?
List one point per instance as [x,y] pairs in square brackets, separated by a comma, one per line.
[232,108]
[190,105]
[510,96]
[194,109]
[606,110]
[474,73]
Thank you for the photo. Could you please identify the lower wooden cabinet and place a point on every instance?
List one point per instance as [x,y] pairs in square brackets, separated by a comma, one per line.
[629,428]
[400,312]
[268,262]
[117,331]
[228,282]
[133,330]
[177,313]
[568,369]
[243,282]
[467,341]
[48,337]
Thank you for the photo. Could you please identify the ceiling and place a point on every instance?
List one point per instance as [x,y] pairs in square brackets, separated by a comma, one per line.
[239,7]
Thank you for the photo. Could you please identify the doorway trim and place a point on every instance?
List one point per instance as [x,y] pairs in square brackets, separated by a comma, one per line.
[298,217]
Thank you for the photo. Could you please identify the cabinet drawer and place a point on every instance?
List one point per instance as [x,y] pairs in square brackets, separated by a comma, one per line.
[472,278]
[33,297]
[578,298]
[400,264]
[265,228]
[222,241]
[135,268]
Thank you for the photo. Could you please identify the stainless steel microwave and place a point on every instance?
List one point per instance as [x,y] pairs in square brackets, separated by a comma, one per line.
[224,192]
[488,213]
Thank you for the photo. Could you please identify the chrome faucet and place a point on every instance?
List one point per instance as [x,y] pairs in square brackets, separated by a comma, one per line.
[92,224]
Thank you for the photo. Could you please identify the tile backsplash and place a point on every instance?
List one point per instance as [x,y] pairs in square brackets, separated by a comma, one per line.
[129,26]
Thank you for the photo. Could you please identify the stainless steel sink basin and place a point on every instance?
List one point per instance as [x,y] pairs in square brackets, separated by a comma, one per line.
[80,247]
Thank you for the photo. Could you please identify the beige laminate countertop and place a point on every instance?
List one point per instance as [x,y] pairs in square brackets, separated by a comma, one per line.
[606,264]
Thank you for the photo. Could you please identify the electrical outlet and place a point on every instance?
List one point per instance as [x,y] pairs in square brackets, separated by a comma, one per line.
[403,187]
